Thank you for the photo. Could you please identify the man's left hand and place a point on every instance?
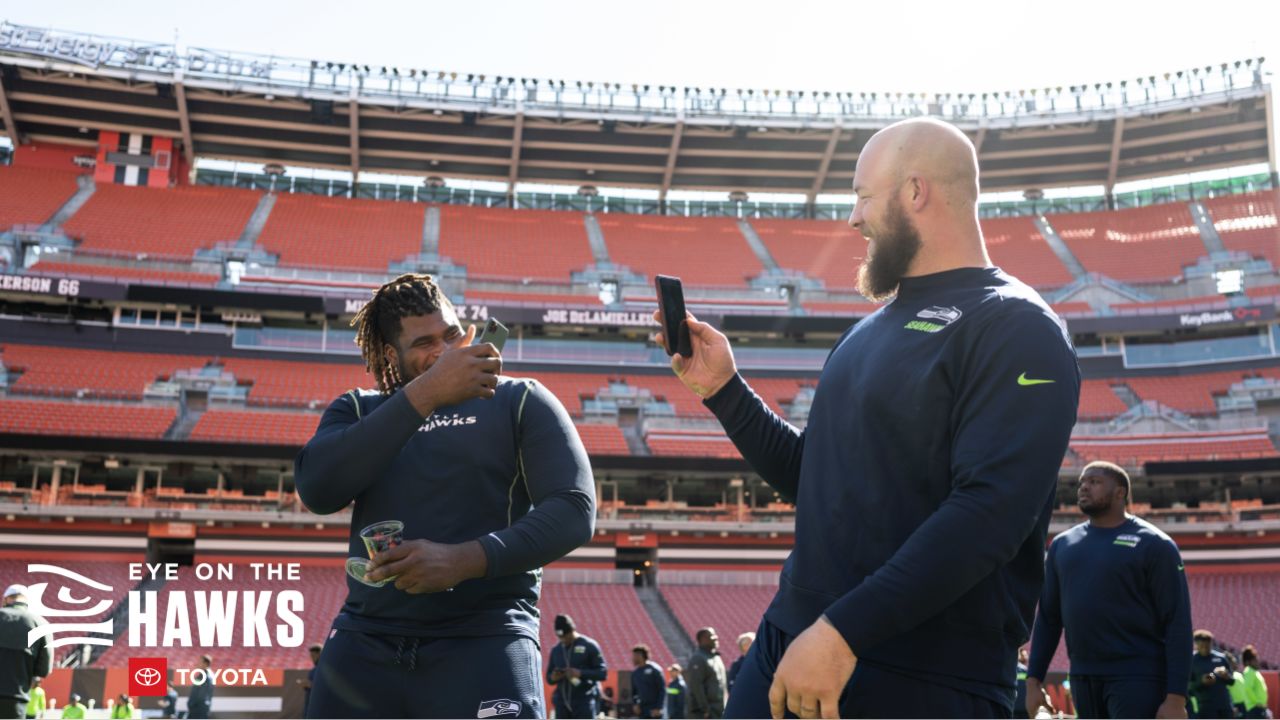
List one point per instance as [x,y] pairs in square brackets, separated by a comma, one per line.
[422,566]
[812,674]
[575,673]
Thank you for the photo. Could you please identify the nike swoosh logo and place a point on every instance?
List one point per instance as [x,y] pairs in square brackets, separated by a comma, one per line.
[1179,567]
[1024,381]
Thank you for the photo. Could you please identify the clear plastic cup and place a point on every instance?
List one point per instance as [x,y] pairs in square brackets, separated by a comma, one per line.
[382,536]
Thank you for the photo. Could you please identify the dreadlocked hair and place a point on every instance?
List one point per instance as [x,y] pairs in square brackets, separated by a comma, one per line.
[377,324]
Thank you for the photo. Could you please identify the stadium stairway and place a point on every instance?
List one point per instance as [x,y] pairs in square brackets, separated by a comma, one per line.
[1060,248]
[72,205]
[677,640]
[257,221]
[186,422]
[595,236]
[1208,233]
[431,232]
[758,246]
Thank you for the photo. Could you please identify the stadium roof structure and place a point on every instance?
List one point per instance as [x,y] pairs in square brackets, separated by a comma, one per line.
[65,87]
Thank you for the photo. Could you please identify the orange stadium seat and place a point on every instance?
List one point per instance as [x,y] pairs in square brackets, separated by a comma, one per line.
[51,417]
[480,297]
[126,273]
[30,196]
[691,443]
[515,244]
[603,440]
[342,233]
[1147,244]
[570,388]
[730,609]
[1098,400]
[92,373]
[1139,449]
[248,426]
[1249,223]
[299,384]
[1192,394]
[825,250]
[611,614]
[701,251]
[1017,247]
[161,223]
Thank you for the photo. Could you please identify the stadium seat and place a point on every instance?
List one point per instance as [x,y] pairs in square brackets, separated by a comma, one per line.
[730,609]
[1249,223]
[515,244]
[1098,400]
[30,196]
[1017,247]
[125,273]
[825,250]
[341,233]
[283,428]
[72,372]
[76,419]
[170,223]
[1141,245]
[707,252]
[603,440]
[297,384]
[611,614]
[1135,450]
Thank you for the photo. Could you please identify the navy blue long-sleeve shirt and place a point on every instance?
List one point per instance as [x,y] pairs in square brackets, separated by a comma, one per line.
[676,692]
[509,471]
[924,480]
[648,687]
[585,656]
[1214,698]
[1121,593]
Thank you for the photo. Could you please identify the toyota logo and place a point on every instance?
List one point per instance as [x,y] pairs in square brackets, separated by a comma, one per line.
[147,677]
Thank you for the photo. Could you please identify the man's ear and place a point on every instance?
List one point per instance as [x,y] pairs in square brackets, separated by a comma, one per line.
[390,355]
[919,192]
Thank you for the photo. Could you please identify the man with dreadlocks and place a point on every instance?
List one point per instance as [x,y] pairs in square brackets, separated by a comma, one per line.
[491,481]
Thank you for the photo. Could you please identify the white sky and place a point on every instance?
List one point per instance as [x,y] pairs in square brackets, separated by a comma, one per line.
[792,44]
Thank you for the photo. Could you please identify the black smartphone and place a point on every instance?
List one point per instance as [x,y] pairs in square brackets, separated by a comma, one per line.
[675,328]
[494,332]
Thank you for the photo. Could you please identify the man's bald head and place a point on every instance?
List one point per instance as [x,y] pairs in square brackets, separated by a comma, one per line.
[931,150]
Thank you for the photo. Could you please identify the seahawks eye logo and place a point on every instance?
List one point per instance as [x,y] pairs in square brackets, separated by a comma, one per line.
[498,708]
[36,603]
[944,315]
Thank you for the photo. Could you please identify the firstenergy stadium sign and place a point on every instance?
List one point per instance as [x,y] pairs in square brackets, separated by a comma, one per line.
[95,52]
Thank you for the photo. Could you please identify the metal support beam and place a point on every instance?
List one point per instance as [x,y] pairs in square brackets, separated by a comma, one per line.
[672,153]
[824,167]
[353,113]
[1117,135]
[517,137]
[10,128]
[184,122]
[981,138]
[1271,135]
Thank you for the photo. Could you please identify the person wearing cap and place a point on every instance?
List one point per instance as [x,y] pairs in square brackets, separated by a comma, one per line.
[706,677]
[74,709]
[576,667]
[677,691]
[1210,679]
[1255,688]
[1116,584]
[22,661]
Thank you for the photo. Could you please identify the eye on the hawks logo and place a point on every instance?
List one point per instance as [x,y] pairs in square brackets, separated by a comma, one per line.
[147,675]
